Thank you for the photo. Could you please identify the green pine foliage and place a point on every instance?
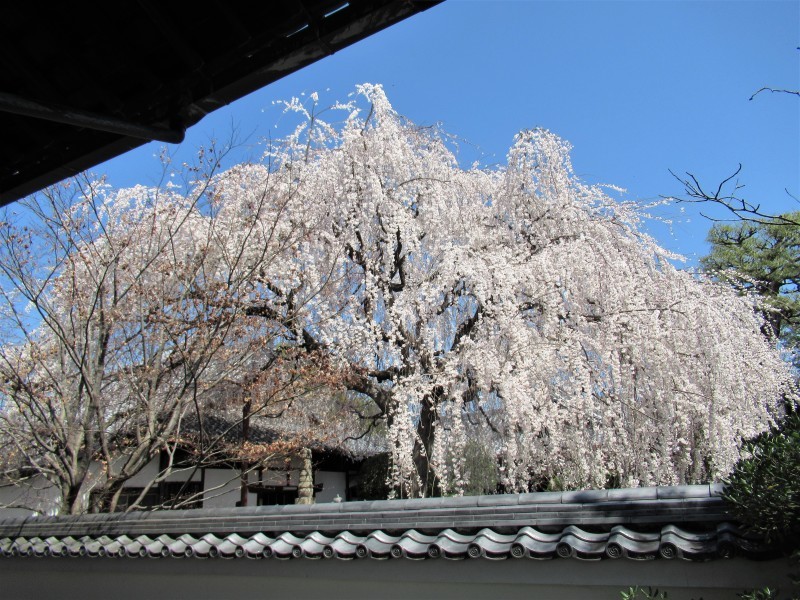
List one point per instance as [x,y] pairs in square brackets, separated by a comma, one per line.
[762,257]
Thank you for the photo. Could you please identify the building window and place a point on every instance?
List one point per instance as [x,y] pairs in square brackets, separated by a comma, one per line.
[279,494]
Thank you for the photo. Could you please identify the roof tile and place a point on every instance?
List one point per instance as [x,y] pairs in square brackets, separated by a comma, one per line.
[683,521]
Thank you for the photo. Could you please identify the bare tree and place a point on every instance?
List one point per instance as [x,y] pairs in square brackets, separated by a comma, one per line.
[126,312]
[728,193]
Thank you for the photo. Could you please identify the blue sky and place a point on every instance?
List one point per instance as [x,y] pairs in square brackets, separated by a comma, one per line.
[637,87]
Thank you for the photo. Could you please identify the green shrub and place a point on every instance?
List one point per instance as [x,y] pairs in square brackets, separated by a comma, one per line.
[765,594]
[637,593]
[764,488]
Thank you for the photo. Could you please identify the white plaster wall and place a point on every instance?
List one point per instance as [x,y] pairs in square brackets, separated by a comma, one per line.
[151,471]
[145,476]
[38,497]
[333,483]
[43,498]
[229,492]
[439,579]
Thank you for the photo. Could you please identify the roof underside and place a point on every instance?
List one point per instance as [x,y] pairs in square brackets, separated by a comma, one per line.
[82,84]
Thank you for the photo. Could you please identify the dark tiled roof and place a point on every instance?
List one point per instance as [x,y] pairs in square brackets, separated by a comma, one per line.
[687,522]
[226,425]
[670,542]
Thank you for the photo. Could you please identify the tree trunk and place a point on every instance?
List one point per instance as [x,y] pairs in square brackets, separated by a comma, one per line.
[423,448]
[71,501]
[245,466]
[108,499]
